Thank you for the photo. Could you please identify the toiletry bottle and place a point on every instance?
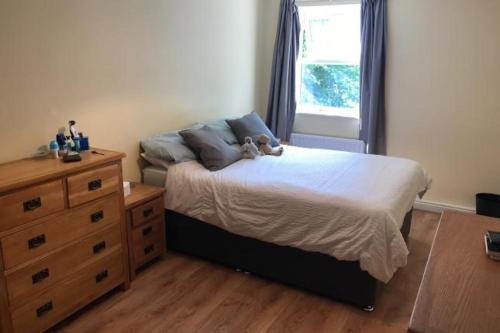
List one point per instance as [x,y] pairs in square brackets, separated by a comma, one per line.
[54,149]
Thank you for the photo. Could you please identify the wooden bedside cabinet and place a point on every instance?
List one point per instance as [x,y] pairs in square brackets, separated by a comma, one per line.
[145,225]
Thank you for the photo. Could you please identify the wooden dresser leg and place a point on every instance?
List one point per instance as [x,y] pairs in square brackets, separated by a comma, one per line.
[125,285]
[132,273]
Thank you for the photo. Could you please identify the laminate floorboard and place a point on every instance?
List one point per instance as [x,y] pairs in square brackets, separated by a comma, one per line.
[186,294]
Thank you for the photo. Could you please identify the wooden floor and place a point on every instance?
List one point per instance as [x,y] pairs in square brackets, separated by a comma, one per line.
[184,294]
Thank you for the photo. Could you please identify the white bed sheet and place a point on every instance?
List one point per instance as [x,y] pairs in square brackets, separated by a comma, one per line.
[350,206]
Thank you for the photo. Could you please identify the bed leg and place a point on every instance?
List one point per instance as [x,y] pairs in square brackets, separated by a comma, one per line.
[368,308]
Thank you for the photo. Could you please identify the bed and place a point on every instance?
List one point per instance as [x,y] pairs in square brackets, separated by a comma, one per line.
[330,222]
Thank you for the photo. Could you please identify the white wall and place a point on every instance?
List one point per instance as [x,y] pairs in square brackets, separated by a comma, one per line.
[123,69]
[443,104]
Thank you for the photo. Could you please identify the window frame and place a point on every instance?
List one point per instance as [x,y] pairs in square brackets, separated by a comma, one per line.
[317,109]
[303,3]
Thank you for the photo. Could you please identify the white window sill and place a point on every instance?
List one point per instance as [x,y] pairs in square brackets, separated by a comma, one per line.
[330,112]
[327,125]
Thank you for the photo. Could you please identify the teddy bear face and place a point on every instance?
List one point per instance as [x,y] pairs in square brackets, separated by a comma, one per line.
[263,139]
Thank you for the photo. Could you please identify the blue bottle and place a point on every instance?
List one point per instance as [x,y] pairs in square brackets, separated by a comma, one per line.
[84,143]
[54,149]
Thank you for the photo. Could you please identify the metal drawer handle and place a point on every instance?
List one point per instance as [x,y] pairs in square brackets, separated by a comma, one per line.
[147,231]
[148,212]
[40,276]
[44,309]
[97,216]
[36,241]
[101,276]
[149,249]
[32,204]
[99,247]
[95,185]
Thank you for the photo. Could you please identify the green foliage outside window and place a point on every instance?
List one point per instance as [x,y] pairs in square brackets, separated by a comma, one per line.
[330,85]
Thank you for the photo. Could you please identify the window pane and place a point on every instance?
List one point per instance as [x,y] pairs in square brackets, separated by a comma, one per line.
[331,33]
[328,66]
[330,85]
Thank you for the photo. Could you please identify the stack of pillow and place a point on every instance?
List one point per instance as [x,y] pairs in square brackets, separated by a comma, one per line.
[215,145]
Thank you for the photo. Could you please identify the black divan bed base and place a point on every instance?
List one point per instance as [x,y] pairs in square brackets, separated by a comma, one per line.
[311,271]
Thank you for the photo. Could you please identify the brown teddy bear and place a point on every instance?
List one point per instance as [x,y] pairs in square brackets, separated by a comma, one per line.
[265,147]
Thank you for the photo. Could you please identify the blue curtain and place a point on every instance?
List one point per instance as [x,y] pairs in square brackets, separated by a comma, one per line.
[282,100]
[373,53]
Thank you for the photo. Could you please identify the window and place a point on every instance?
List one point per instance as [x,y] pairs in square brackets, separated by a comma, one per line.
[328,64]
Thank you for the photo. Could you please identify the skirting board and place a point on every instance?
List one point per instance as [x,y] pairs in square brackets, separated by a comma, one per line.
[436,207]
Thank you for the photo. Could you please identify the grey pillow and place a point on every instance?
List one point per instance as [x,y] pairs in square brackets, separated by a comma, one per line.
[251,125]
[168,147]
[223,130]
[214,153]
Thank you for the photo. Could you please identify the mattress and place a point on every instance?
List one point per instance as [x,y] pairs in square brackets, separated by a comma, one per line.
[346,205]
[154,176]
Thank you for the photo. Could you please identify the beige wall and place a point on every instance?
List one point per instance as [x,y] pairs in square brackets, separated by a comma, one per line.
[443,100]
[123,69]
[268,21]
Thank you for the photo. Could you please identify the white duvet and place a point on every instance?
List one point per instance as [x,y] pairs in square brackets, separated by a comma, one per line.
[350,206]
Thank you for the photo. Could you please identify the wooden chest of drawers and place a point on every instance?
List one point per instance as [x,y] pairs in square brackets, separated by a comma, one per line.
[63,238]
[145,225]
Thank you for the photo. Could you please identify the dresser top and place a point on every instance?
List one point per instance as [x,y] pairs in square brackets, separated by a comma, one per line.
[29,171]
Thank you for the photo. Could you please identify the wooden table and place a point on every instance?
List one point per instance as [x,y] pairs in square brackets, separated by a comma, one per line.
[460,290]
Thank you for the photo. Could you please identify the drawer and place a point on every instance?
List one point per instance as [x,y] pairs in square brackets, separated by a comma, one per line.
[148,231]
[69,295]
[147,211]
[93,184]
[147,250]
[55,231]
[30,204]
[29,281]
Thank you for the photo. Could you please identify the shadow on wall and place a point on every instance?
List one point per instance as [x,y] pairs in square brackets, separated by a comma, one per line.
[268,11]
